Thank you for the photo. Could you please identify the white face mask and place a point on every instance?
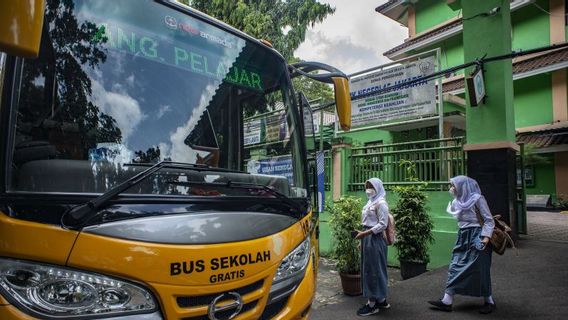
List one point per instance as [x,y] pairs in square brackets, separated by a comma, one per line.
[370,192]
[452,192]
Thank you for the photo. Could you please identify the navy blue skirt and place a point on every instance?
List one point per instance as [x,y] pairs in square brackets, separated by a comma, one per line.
[374,279]
[469,273]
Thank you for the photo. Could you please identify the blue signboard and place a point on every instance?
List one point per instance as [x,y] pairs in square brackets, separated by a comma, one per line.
[276,166]
[321,180]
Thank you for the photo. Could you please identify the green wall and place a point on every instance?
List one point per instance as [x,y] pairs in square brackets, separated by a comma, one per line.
[531,27]
[544,179]
[452,52]
[370,135]
[533,101]
[445,229]
[491,36]
[430,13]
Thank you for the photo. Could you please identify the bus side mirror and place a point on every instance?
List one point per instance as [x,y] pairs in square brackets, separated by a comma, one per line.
[340,84]
[342,102]
[21,24]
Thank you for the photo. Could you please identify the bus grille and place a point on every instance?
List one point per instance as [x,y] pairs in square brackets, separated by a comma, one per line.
[205,300]
[227,313]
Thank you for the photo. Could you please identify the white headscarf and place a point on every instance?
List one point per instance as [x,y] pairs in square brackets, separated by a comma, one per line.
[467,193]
[381,193]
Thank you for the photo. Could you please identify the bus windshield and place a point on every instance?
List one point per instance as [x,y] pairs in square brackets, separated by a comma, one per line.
[117,88]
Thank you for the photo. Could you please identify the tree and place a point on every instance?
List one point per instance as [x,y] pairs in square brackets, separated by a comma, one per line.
[268,19]
[314,90]
[68,46]
[152,155]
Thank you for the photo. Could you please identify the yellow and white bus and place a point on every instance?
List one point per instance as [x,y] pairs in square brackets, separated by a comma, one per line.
[152,166]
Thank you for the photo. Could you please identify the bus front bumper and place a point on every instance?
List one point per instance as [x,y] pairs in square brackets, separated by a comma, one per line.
[9,312]
[295,306]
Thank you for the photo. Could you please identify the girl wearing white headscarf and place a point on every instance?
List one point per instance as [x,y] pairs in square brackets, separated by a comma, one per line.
[469,270]
[374,219]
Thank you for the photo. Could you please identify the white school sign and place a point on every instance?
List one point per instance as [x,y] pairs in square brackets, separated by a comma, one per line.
[410,101]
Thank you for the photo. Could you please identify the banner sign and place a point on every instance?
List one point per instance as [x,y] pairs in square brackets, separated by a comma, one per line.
[276,127]
[276,166]
[328,118]
[320,165]
[270,128]
[252,132]
[407,101]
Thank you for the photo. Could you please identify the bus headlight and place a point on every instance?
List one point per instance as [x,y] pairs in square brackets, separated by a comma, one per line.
[290,272]
[53,292]
[295,262]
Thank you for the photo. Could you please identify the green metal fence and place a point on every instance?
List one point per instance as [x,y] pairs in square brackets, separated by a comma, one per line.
[435,160]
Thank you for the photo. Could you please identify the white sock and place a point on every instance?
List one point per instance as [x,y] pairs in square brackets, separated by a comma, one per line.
[371,303]
[489,299]
[448,299]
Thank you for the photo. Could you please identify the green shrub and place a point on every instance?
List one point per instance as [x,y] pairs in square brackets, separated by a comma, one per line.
[413,224]
[561,202]
[346,217]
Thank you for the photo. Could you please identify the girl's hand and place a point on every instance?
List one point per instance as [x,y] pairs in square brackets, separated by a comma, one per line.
[362,234]
[481,244]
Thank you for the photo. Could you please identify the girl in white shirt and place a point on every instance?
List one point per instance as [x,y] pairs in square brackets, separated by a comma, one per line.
[374,219]
[469,270]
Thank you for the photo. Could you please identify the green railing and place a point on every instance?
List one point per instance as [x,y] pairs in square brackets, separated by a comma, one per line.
[435,162]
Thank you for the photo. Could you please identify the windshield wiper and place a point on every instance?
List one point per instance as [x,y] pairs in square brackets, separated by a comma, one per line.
[294,205]
[79,215]
[246,185]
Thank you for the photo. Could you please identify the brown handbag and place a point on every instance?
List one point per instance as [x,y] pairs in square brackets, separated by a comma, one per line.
[500,238]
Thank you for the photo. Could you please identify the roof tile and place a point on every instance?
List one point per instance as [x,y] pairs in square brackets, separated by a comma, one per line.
[385,5]
[544,139]
[424,36]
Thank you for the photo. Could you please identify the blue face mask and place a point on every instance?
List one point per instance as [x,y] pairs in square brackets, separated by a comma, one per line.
[370,193]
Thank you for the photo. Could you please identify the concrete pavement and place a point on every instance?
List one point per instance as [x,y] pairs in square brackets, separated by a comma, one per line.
[551,226]
[532,285]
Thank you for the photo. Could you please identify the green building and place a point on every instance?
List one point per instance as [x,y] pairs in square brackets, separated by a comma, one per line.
[540,90]
[437,146]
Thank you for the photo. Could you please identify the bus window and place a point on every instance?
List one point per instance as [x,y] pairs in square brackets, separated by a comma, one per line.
[114,89]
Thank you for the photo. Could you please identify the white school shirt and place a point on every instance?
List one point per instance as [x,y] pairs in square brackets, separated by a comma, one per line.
[375,216]
[468,218]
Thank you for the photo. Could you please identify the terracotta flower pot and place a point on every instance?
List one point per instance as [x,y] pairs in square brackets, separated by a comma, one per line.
[351,284]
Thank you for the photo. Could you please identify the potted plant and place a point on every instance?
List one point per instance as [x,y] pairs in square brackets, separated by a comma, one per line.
[346,217]
[413,225]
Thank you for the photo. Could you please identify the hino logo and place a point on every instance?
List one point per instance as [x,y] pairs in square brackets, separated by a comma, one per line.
[171,22]
[230,300]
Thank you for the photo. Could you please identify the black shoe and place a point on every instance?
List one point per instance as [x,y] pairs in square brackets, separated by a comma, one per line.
[366,310]
[439,305]
[383,305]
[487,308]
